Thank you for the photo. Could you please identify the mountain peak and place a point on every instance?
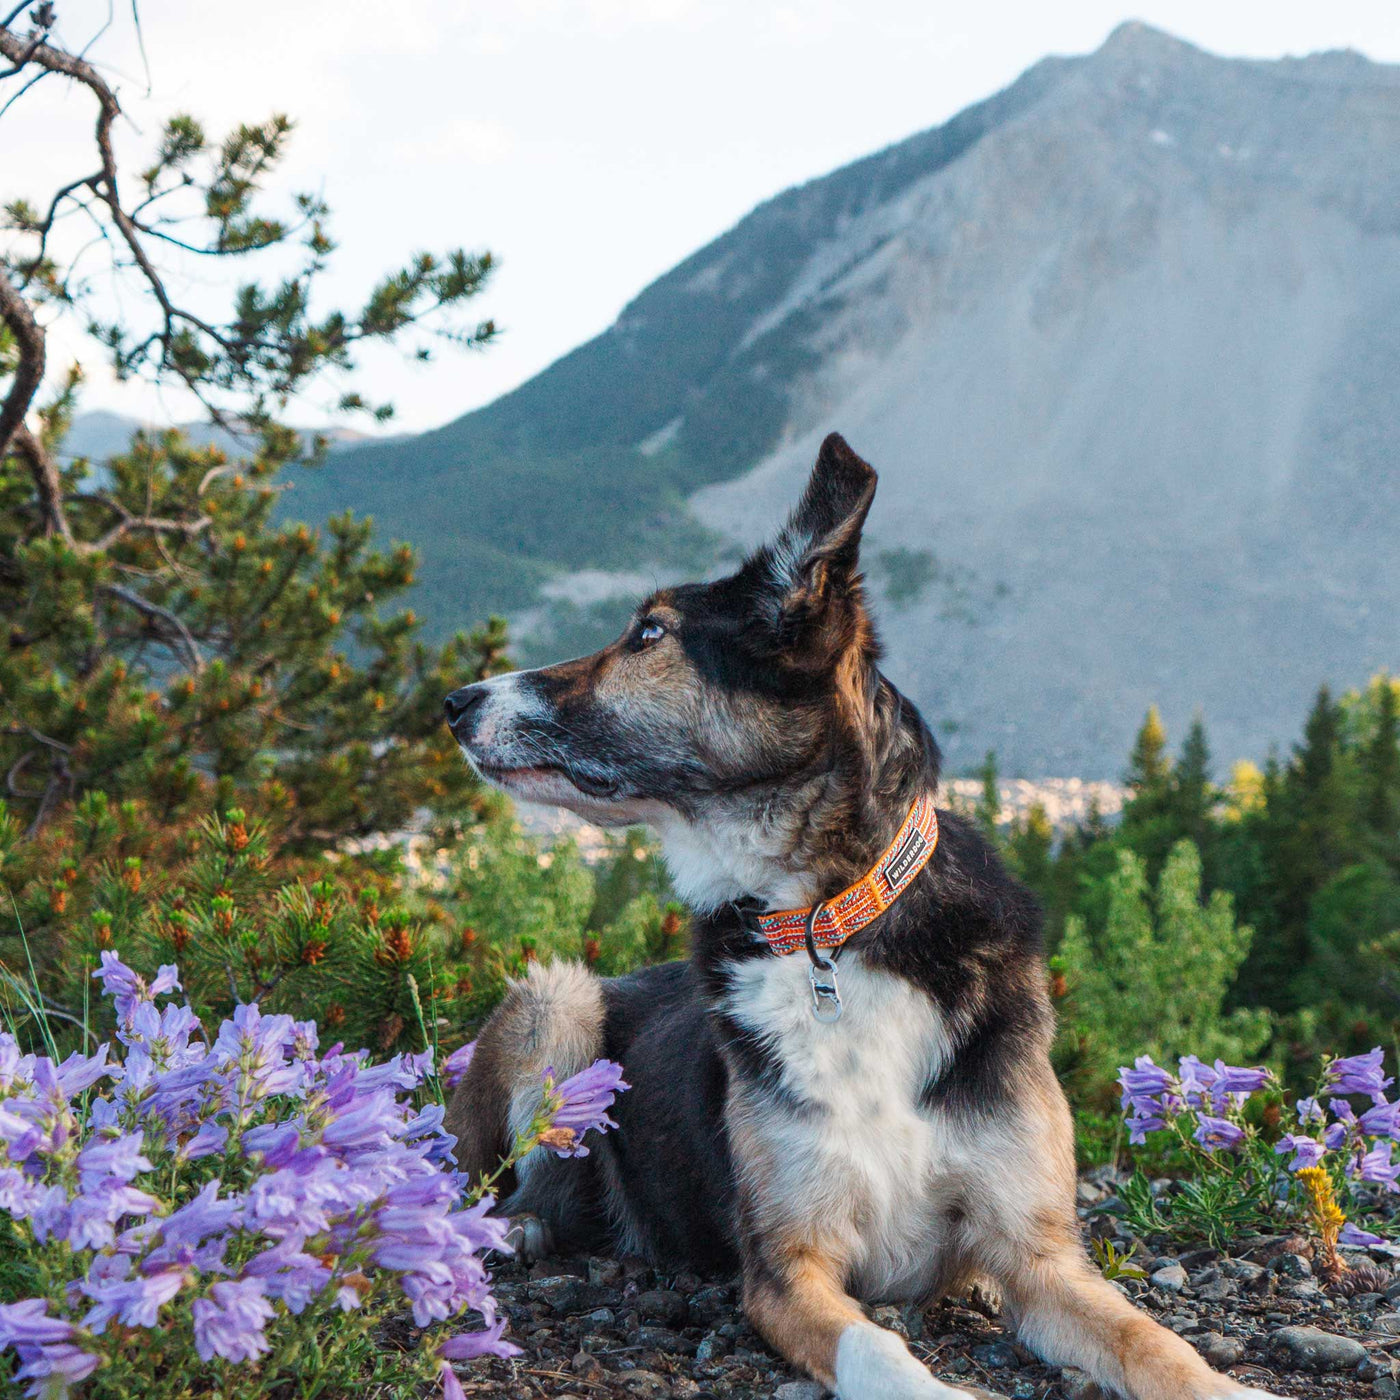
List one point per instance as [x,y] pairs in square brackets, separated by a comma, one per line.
[1142,43]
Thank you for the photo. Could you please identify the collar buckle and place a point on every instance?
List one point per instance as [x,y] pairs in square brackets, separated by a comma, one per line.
[826,994]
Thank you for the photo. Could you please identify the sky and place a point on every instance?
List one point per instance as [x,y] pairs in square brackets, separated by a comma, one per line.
[589,144]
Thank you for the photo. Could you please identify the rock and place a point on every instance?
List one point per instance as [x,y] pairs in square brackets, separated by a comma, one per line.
[997,1356]
[712,1347]
[1386,1389]
[1077,1386]
[662,1305]
[604,1273]
[601,1317]
[890,1317]
[646,1384]
[1386,1323]
[1170,1278]
[1219,1352]
[1393,1291]
[799,1390]
[1089,1193]
[662,1339]
[1311,1349]
[708,1304]
[1290,1266]
[1216,1292]
[1242,1271]
[1372,1368]
[561,1294]
[589,1367]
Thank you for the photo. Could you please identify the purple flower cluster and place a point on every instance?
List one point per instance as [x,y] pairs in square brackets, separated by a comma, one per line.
[1326,1129]
[1362,1143]
[1153,1098]
[322,1186]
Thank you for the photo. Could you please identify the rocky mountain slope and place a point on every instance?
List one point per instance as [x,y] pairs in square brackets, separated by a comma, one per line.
[1123,342]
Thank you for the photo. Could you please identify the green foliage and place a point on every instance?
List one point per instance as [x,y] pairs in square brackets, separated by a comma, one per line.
[1154,978]
[1113,1262]
[514,902]
[377,955]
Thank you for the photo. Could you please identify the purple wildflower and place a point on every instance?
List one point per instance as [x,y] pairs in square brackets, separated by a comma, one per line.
[1197,1079]
[230,1321]
[54,1369]
[455,1066]
[289,1274]
[1376,1166]
[1360,1074]
[128,989]
[581,1103]
[1354,1237]
[1307,1151]
[1310,1111]
[467,1346]
[1382,1120]
[1214,1133]
[136,1301]
[119,1159]
[1234,1081]
[27,1323]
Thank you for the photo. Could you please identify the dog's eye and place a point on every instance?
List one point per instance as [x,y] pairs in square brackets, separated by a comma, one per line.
[650,631]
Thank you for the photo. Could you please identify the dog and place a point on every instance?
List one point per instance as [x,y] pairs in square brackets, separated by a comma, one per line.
[845,1093]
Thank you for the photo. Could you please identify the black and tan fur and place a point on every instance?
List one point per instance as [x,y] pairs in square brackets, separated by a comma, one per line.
[918,1143]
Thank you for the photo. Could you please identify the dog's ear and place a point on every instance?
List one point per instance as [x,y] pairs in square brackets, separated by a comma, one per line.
[814,564]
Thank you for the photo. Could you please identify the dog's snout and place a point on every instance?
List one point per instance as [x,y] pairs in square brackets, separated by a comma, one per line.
[462,707]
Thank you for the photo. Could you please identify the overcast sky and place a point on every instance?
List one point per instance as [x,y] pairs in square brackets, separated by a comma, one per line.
[590,144]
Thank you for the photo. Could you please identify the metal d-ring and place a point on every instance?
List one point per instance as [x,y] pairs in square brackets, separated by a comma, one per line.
[826,995]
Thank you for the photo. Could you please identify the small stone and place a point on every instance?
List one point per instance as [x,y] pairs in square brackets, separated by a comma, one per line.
[712,1347]
[1024,1390]
[1367,1302]
[604,1273]
[1290,1266]
[1386,1388]
[1089,1193]
[1372,1368]
[1077,1386]
[890,1317]
[1220,1352]
[1392,1293]
[601,1317]
[1311,1349]
[662,1305]
[1217,1292]
[562,1294]
[646,1384]
[997,1356]
[589,1367]
[1386,1323]
[1170,1278]
[662,1339]
[799,1390]
[1241,1270]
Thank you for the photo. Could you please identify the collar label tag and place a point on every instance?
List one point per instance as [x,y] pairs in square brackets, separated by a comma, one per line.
[906,859]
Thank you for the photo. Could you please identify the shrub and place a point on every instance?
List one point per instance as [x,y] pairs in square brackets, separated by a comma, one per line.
[247,1212]
[1260,1164]
[380,951]
[1155,978]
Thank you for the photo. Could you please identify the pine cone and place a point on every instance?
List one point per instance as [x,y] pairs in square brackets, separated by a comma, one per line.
[1362,1278]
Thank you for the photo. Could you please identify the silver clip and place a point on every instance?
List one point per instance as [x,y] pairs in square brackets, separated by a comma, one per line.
[826,996]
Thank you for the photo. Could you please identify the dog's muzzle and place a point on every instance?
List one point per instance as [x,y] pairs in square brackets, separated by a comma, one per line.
[463,709]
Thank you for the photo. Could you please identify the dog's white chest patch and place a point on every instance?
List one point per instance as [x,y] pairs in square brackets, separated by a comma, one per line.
[853,1151]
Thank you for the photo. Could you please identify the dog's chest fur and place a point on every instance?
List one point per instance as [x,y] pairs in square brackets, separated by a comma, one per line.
[847,1147]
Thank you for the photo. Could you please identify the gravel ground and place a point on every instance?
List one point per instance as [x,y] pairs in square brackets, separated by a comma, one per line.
[602,1329]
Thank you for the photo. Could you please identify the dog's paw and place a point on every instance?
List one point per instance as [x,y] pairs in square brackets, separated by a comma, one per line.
[530,1238]
[873,1364]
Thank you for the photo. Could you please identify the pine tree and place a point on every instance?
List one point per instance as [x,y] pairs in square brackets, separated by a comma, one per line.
[1148,764]
[167,639]
[1381,769]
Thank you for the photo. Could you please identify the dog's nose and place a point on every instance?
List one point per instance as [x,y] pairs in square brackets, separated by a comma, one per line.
[461,707]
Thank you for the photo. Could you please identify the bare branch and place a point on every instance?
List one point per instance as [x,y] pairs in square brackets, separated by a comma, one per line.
[163,615]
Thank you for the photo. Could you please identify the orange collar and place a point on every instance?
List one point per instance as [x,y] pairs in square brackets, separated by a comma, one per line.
[836,919]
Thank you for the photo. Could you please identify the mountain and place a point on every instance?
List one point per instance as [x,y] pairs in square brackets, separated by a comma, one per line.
[101,433]
[1123,343]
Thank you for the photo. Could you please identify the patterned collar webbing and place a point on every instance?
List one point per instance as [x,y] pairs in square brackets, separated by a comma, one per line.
[849,912]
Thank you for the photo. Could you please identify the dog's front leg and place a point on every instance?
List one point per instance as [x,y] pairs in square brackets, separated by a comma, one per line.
[797,1302]
[1070,1315]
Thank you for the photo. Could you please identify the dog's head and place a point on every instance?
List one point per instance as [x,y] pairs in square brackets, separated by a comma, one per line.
[739,702]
